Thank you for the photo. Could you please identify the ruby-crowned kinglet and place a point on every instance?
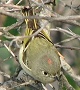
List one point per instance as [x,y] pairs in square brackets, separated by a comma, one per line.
[40,60]
[38,56]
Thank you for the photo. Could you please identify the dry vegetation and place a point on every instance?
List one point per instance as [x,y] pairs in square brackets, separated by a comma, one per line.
[64,26]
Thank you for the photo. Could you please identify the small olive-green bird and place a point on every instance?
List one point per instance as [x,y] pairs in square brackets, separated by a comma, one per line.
[39,58]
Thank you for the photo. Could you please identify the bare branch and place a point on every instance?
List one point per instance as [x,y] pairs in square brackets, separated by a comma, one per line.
[66,47]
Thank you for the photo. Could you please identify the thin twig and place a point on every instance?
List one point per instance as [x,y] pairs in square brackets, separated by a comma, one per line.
[66,47]
[68,32]
[25,83]
[17,24]
[15,38]
[2,11]
[11,52]
[66,40]
[4,74]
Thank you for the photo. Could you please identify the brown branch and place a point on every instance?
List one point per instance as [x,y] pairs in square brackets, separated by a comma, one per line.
[64,19]
[4,74]
[3,12]
[20,79]
[31,17]
[67,32]
[67,19]
[66,47]
[66,40]
[11,6]
[6,29]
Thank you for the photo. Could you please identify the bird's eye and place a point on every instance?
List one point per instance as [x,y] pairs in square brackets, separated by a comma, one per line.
[45,73]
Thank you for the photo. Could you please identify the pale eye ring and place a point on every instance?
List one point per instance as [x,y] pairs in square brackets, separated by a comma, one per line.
[45,73]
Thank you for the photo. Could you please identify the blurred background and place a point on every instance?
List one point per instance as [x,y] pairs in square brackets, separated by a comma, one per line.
[64,8]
